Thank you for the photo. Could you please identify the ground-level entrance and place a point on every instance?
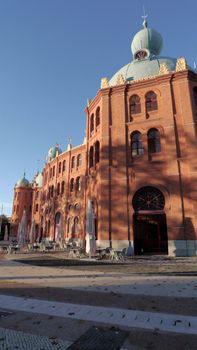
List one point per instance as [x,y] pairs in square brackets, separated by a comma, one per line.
[150,233]
[149,222]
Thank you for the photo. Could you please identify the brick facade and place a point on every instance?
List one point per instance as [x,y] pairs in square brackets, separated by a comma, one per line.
[113,167]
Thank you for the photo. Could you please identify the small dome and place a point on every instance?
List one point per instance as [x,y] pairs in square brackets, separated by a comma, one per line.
[38,180]
[147,39]
[53,151]
[23,182]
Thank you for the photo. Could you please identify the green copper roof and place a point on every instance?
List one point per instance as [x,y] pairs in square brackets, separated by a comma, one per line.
[53,151]
[38,180]
[146,47]
[23,182]
[148,39]
[136,70]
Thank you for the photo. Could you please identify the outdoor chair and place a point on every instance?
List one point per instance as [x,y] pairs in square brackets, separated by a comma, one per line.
[117,255]
[13,248]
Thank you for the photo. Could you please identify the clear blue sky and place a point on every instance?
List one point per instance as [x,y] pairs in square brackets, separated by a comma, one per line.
[53,54]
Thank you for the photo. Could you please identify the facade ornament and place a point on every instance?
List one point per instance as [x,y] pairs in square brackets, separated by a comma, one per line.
[85,140]
[120,80]
[181,64]
[104,83]
[88,101]
[69,147]
[163,69]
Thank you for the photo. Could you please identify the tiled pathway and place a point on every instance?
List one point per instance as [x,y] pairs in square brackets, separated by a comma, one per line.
[12,340]
[111,316]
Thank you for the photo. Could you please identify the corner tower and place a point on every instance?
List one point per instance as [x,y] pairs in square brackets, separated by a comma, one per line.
[144,183]
[23,194]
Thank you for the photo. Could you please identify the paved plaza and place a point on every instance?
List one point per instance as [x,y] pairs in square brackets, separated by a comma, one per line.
[50,302]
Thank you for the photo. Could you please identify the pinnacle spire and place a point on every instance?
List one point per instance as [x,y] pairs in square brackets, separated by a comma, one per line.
[145,22]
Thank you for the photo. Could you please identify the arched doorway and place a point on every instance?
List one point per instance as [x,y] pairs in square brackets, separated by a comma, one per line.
[149,222]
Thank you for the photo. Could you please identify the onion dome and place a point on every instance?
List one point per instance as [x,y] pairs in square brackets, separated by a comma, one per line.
[23,182]
[38,180]
[147,39]
[53,152]
[146,47]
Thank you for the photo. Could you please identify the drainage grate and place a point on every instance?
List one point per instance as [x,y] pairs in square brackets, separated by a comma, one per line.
[97,338]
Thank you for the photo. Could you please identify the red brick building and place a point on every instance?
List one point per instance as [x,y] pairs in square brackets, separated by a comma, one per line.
[137,164]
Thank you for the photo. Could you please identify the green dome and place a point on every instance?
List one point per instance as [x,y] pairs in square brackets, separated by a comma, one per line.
[136,70]
[23,182]
[148,39]
[38,180]
[146,47]
[53,151]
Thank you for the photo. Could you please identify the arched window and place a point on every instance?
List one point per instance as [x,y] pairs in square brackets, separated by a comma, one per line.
[77,206]
[52,190]
[78,183]
[91,157]
[79,160]
[54,170]
[70,207]
[154,144]
[49,227]
[151,101]
[91,123]
[135,104]
[69,225]
[64,166]
[136,144]
[97,117]
[60,167]
[62,187]
[76,225]
[73,163]
[50,172]
[58,189]
[195,95]
[72,185]
[49,193]
[97,152]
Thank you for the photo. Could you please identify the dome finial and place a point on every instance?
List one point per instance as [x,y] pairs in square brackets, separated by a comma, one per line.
[145,23]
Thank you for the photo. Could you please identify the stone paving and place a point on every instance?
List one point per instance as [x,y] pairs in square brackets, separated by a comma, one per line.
[10,340]
[110,316]
[148,284]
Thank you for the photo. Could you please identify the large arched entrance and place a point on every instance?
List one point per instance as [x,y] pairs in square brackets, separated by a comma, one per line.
[149,222]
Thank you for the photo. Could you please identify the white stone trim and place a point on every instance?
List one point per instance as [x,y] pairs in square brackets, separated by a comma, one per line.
[175,247]
[182,248]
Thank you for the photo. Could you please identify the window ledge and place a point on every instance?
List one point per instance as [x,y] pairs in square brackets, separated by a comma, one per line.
[155,157]
[151,113]
[137,158]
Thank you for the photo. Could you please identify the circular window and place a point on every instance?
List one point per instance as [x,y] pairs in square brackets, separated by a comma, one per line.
[148,198]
